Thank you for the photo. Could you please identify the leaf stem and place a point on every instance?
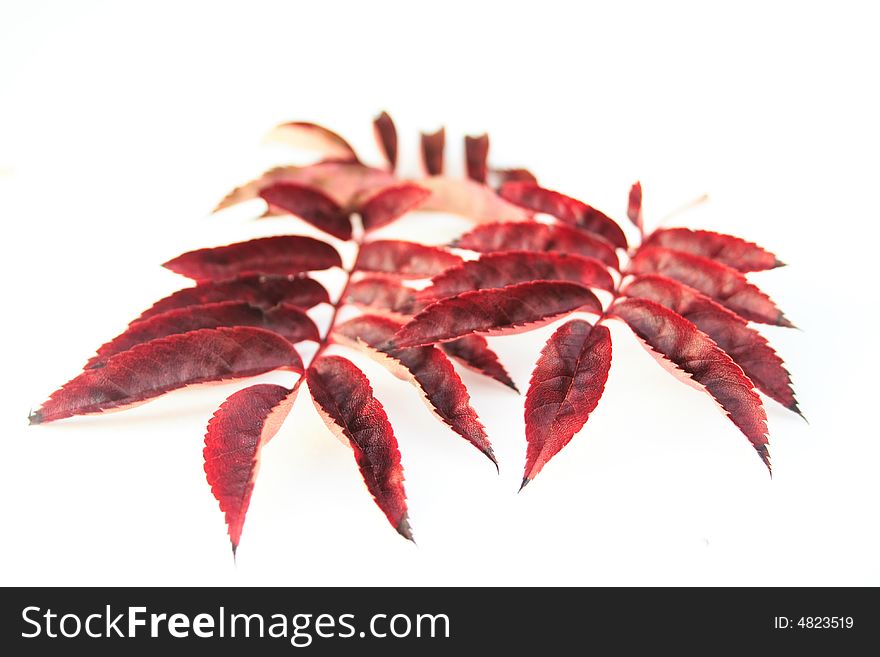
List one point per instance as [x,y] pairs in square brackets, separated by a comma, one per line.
[326,340]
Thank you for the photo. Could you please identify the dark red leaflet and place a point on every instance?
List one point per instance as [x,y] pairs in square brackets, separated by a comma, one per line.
[634,206]
[501,176]
[523,236]
[470,200]
[512,267]
[344,398]
[391,203]
[674,337]
[720,282]
[726,249]
[473,352]
[148,370]
[288,321]
[476,151]
[284,254]
[431,371]
[748,348]
[433,145]
[404,259]
[257,290]
[386,136]
[311,136]
[245,422]
[565,208]
[388,297]
[566,385]
[495,312]
[311,205]
[382,295]
[341,181]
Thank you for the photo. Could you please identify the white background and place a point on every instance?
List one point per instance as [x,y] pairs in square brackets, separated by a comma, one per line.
[122,124]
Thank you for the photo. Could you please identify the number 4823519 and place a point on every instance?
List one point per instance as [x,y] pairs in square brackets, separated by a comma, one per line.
[825,622]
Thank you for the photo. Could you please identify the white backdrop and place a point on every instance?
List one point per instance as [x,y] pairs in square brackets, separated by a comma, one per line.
[122,124]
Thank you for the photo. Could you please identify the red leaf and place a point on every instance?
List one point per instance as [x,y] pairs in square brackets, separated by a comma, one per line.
[564,208]
[261,291]
[285,254]
[726,249]
[507,236]
[634,207]
[404,259]
[389,204]
[724,284]
[476,151]
[672,336]
[310,205]
[344,399]
[433,145]
[509,268]
[154,368]
[469,200]
[389,298]
[501,176]
[312,137]
[565,388]
[341,181]
[473,352]
[495,312]
[429,369]
[382,295]
[748,348]
[285,320]
[236,434]
[386,136]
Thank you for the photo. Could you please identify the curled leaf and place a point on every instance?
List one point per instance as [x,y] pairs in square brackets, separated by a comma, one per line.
[284,254]
[312,137]
[521,236]
[679,341]
[720,282]
[496,311]
[258,290]
[285,320]
[344,399]
[380,294]
[565,208]
[634,206]
[404,259]
[390,203]
[151,369]
[470,200]
[476,150]
[341,181]
[748,348]
[386,136]
[311,205]
[726,249]
[430,370]
[512,267]
[567,383]
[245,422]
[433,145]
[473,352]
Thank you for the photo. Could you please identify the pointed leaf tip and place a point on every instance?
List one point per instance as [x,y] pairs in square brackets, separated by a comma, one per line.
[405,529]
